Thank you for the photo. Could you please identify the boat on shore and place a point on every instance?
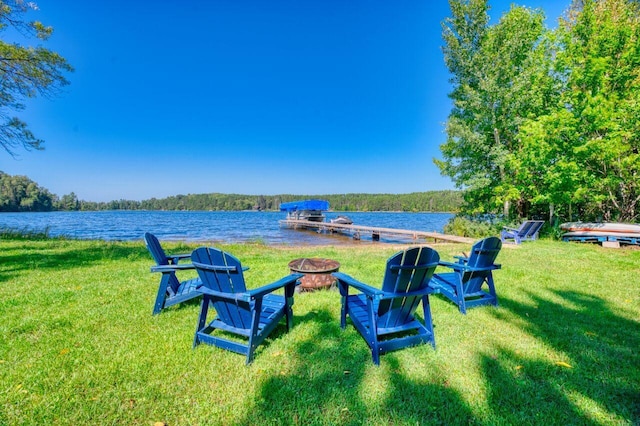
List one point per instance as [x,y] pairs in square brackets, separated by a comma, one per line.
[625,228]
[600,232]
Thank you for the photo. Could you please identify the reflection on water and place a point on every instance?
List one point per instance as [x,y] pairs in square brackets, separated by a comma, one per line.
[237,226]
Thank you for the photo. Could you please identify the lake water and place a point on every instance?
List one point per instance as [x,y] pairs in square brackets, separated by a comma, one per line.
[236,226]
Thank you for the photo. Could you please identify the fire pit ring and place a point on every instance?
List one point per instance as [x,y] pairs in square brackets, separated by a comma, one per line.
[317,272]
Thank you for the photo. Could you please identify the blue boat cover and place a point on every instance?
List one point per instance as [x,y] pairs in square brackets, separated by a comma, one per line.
[304,205]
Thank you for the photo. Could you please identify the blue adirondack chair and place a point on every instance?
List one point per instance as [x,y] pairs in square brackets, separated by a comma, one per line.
[252,314]
[528,231]
[385,317]
[171,291]
[464,285]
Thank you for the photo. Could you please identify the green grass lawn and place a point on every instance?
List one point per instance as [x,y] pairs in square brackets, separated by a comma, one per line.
[78,344]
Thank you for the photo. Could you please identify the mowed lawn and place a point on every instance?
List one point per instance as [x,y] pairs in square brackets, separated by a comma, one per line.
[78,344]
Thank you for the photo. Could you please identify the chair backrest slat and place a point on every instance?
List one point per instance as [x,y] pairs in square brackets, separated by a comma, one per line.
[529,228]
[228,278]
[483,255]
[525,227]
[534,229]
[159,255]
[154,247]
[407,271]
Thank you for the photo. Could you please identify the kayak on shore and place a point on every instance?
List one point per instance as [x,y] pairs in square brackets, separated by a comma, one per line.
[610,233]
[625,228]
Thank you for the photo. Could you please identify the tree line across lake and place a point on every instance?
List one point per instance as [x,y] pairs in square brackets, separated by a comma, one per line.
[21,194]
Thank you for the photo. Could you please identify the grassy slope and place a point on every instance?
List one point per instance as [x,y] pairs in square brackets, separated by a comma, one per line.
[78,344]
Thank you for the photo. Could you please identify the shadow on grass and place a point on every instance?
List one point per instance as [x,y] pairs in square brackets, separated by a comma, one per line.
[59,255]
[600,382]
[328,382]
[589,377]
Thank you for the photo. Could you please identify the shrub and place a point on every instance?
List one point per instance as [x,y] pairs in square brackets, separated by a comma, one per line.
[472,227]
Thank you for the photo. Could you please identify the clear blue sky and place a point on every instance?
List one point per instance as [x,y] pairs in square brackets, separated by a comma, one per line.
[250,97]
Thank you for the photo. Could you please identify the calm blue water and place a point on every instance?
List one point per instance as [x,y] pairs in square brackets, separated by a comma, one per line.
[237,226]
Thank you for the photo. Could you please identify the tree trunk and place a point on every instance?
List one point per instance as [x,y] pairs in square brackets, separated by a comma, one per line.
[507,204]
[570,218]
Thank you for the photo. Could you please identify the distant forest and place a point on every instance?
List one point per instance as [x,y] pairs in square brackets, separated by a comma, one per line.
[21,194]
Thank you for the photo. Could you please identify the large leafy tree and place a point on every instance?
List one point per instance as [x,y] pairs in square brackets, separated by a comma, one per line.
[19,193]
[546,121]
[464,33]
[25,72]
[586,149]
[500,78]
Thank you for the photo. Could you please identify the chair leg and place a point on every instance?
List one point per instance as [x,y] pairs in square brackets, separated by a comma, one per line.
[162,294]
[255,323]
[202,319]
[492,289]
[460,297]
[375,353]
[289,317]
[343,312]
[373,332]
[289,292]
[428,320]
[250,350]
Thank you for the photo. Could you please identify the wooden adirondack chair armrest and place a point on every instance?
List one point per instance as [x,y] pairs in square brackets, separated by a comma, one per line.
[484,268]
[453,265]
[270,288]
[506,228]
[244,296]
[350,281]
[175,258]
[171,268]
[466,268]
[377,293]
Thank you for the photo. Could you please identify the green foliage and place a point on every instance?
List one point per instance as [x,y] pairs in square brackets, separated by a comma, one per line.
[79,344]
[590,141]
[498,75]
[69,202]
[471,227]
[545,123]
[25,72]
[435,201]
[21,194]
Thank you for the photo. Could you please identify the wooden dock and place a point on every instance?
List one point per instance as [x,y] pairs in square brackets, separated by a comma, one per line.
[357,231]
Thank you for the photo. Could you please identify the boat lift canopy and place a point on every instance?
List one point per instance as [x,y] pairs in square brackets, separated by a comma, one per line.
[304,205]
